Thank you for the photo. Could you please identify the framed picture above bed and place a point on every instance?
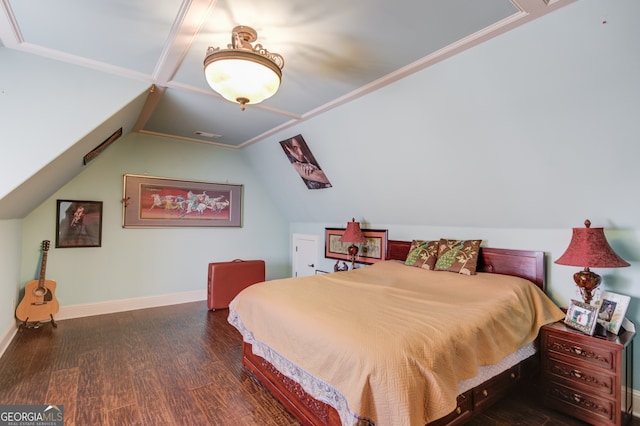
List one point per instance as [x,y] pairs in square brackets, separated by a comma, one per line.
[372,251]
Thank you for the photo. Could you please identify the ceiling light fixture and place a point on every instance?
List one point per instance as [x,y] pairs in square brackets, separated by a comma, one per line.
[243,73]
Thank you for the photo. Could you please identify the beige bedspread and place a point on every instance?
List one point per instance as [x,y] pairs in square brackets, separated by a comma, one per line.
[395,340]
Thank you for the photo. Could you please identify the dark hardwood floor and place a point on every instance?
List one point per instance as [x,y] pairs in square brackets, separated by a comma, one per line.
[173,365]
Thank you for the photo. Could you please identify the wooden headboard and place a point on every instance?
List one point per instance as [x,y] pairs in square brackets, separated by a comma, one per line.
[520,263]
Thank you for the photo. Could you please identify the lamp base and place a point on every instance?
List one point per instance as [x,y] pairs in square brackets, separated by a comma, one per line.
[587,281]
[353,251]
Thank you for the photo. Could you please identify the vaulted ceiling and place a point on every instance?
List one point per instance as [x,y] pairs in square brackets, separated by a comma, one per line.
[334,51]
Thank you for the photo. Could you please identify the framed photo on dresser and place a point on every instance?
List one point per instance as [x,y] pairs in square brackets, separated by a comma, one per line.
[582,316]
[612,308]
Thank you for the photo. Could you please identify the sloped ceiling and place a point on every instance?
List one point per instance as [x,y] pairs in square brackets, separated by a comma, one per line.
[334,52]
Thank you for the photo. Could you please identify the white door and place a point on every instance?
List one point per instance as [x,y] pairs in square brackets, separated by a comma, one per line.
[305,255]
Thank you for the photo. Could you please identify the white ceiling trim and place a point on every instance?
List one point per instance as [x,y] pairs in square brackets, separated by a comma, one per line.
[191,17]
[10,34]
[182,138]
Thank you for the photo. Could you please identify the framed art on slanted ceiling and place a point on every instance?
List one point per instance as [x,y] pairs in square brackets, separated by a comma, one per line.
[155,202]
[303,161]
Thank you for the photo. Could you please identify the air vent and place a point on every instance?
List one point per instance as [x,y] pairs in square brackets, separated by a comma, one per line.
[98,149]
[207,134]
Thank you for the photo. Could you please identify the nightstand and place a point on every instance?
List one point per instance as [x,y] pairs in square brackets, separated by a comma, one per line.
[588,377]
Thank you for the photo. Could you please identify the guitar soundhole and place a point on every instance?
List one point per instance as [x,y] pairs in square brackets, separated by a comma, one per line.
[39,291]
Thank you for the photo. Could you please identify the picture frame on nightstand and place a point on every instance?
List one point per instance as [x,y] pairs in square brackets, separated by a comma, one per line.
[582,316]
[612,308]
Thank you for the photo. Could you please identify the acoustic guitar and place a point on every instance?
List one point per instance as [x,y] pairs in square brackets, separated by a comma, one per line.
[39,302]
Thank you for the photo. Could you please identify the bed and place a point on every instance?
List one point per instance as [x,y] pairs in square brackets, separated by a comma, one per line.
[333,361]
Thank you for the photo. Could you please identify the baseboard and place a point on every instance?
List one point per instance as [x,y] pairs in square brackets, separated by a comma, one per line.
[110,307]
[636,403]
[113,306]
[7,337]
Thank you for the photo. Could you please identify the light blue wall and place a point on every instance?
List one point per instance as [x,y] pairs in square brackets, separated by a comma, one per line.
[10,252]
[145,262]
[537,128]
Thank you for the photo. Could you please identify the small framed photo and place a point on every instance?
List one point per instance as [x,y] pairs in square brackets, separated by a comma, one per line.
[612,308]
[582,316]
[78,223]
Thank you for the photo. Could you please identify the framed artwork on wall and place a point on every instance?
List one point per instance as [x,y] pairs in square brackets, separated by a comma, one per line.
[372,251]
[78,223]
[155,202]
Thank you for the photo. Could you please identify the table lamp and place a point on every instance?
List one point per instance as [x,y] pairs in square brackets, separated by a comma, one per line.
[589,248]
[353,235]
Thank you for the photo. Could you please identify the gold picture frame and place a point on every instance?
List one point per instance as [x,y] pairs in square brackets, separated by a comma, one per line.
[156,202]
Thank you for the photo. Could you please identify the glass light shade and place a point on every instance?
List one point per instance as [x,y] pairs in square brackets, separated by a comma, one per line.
[242,76]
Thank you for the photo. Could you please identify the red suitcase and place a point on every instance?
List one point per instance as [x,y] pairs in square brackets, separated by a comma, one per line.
[227,279]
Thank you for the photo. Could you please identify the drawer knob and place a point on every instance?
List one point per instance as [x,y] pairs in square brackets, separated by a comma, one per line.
[577,350]
[513,376]
[458,410]
[577,374]
[485,392]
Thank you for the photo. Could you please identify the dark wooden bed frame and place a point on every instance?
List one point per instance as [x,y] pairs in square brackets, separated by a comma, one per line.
[311,412]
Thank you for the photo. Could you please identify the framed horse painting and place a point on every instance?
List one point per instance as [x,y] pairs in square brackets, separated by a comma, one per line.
[156,202]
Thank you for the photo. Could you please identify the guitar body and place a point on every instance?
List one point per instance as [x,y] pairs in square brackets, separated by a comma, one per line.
[39,302]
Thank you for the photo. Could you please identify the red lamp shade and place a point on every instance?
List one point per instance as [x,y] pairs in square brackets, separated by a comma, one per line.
[589,248]
[353,234]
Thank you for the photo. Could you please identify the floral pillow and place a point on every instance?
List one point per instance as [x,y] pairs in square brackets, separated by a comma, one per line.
[459,256]
[422,254]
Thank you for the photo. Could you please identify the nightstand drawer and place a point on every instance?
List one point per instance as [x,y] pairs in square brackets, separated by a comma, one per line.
[582,405]
[581,352]
[581,377]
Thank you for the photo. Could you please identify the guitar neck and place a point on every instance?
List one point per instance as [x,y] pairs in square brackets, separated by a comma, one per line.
[43,263]
[43,267]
